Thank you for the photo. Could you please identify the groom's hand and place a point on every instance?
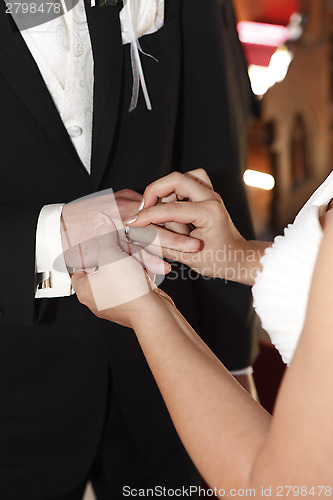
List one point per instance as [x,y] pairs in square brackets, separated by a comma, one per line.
[132,293]
[79,237]
[78,223]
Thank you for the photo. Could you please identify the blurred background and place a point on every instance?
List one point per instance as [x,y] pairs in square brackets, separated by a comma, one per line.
[288,50]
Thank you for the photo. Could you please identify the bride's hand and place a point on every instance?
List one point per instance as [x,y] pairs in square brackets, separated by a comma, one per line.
[223,248]
[121,289]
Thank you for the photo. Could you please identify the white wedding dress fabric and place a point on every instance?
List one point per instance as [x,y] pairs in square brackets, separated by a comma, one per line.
[281,289]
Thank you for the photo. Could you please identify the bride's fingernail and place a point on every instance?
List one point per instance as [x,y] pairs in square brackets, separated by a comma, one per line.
[131,220]
[142,204]
[167,267]
[101,219]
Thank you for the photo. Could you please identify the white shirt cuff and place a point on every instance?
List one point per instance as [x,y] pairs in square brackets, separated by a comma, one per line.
[49,254]
[244,371]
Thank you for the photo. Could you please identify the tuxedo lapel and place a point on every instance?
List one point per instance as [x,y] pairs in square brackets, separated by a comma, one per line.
[105,33]
[18,67]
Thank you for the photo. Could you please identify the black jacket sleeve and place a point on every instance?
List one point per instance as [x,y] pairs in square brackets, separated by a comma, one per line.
[216,106]
[17,257]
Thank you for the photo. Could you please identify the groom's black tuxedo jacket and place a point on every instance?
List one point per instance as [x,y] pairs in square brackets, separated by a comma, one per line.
[55,356]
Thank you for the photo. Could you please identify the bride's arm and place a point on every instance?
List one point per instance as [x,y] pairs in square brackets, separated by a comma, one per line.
[219,423]
[231,439]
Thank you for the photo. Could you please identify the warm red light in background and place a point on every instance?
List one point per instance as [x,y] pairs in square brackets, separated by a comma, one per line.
[278,11]
[269,11]
[260,40]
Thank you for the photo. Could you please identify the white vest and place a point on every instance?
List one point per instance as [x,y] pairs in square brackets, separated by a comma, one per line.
[63,53]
